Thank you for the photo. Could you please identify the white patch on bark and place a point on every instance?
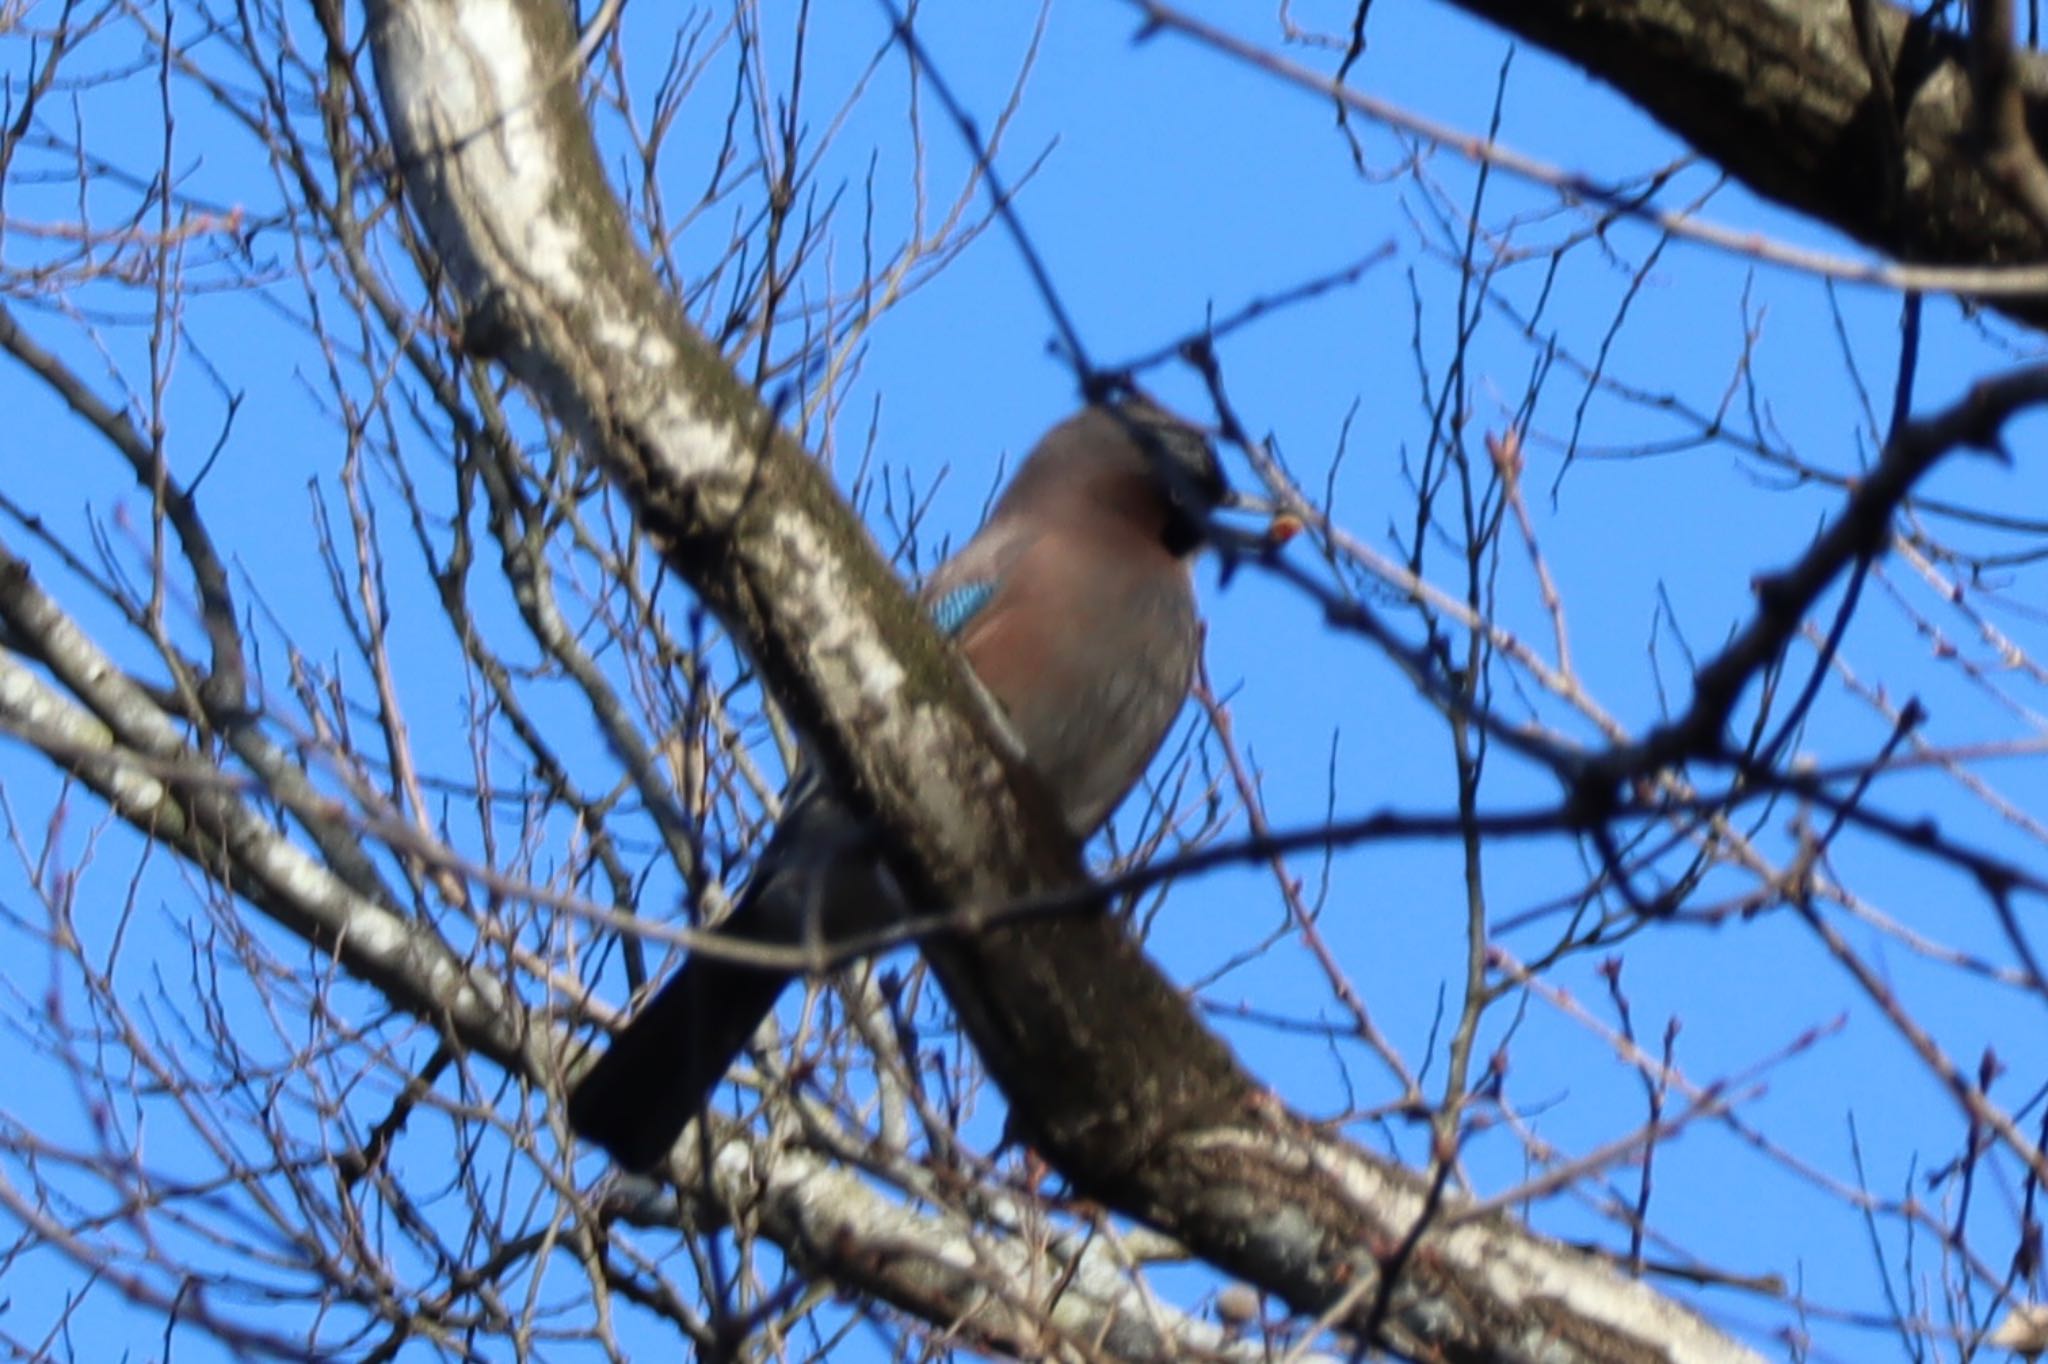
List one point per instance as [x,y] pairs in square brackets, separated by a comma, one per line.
[44,720]
[636,341]
[693,448]
[462,78]
[514,152]
[856,664]
[470,95]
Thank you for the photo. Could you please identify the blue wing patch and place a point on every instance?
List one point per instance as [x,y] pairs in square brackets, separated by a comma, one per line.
[952,611]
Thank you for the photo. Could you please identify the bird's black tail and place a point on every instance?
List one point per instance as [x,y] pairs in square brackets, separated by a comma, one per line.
[819,878]
[643,1092]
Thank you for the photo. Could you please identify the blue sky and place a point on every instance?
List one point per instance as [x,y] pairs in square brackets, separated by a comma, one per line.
[1173,183]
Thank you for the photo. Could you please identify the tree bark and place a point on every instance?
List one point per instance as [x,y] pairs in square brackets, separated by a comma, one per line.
[1781,95]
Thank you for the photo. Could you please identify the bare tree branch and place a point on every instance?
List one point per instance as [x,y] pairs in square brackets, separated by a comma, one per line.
[1105,1066]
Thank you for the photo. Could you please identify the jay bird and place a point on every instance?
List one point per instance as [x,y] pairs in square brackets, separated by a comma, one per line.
[1075,607]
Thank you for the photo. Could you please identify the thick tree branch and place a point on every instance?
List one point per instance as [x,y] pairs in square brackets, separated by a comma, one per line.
[1780,94]
[1103,1062]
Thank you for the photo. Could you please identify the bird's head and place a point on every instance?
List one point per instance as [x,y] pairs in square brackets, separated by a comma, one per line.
[1134,460]
[1181,461]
